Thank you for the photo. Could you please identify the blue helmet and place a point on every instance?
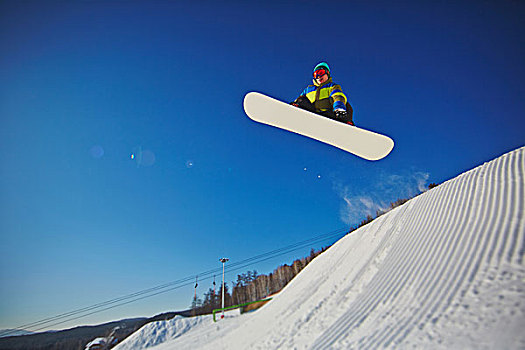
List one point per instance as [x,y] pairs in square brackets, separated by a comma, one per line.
[322,65]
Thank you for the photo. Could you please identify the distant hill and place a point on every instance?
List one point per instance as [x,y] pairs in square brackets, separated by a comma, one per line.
[78,337]
[13,332]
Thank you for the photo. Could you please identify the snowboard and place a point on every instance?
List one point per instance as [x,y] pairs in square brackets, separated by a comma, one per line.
[360,142]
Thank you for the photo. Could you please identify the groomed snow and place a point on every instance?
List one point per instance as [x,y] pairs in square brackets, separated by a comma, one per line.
[443,271]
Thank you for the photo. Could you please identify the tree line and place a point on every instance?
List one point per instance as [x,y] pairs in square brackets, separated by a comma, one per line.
[251,286]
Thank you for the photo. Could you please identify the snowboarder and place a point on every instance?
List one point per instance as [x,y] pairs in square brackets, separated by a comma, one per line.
[325,97]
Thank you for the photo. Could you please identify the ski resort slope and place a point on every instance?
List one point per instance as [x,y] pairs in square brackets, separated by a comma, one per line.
[445,270]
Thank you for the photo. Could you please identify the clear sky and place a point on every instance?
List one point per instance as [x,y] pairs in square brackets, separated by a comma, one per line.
[126,160]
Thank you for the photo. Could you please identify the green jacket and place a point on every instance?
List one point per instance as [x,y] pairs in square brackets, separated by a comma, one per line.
[328,96]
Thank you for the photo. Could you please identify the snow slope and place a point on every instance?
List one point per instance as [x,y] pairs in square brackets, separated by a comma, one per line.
[159,332]
[445,270]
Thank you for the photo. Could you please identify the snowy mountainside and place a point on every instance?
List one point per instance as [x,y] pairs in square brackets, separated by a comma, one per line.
[444,270]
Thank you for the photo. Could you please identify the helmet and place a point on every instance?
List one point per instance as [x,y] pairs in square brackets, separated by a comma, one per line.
[322,65]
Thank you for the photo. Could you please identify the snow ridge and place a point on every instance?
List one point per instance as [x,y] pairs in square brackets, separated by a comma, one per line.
[444,270]
[159,332]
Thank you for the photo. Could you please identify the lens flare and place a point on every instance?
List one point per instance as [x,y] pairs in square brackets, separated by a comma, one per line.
[97,152]
[143,158]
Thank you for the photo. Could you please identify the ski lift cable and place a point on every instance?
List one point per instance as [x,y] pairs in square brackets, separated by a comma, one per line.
[239,268]
[244,263]
[146,293]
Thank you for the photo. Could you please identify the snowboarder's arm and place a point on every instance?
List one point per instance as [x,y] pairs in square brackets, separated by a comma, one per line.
[303,93]
[339,98]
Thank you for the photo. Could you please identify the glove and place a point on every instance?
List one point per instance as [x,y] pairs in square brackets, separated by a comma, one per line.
[341,115]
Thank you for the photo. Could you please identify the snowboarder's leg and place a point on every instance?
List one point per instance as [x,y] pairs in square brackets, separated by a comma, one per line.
[304,103]
[328,114]
[347,119]
[350,112]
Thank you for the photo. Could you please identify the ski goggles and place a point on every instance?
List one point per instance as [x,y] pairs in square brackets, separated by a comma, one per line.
[320,72]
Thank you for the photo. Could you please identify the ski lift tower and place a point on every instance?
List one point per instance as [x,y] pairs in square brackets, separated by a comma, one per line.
[223,261]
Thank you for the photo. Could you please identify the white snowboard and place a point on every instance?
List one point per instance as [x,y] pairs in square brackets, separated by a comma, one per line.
[363,143]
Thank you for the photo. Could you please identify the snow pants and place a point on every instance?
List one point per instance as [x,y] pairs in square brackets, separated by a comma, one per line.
[304,103]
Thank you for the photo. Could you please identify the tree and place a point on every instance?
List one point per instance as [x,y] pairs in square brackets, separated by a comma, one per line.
[227,296]
[211,301]
[196,303]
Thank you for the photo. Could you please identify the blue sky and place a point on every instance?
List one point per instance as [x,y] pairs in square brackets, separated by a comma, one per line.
[87,84]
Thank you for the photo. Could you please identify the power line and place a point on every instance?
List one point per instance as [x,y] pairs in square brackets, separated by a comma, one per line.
[170,286]
[150,292]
